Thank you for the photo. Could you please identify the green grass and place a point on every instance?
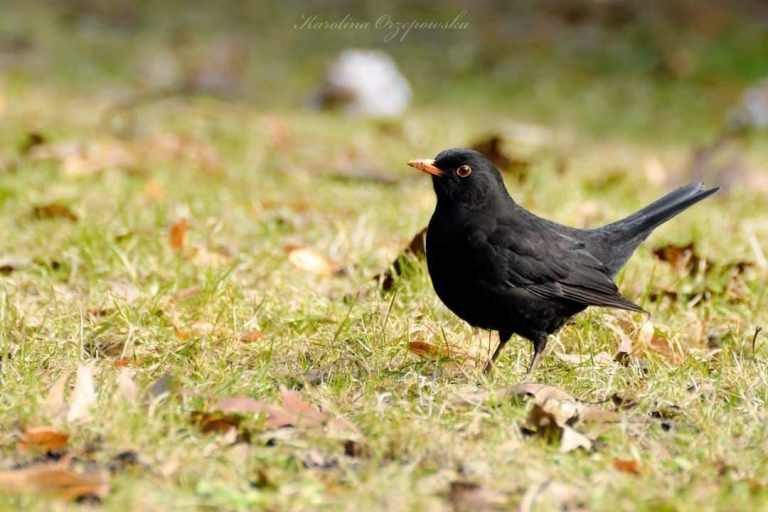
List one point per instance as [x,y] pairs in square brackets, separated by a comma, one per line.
[248,192]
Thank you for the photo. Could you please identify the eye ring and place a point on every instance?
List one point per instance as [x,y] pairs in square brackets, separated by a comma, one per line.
[463,171]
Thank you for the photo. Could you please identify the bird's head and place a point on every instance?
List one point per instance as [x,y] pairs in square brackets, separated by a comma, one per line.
[464,177]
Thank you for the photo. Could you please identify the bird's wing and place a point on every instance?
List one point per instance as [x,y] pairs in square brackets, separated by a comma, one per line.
[553,265]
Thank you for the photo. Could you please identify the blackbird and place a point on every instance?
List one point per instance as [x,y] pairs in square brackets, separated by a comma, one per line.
[500,267]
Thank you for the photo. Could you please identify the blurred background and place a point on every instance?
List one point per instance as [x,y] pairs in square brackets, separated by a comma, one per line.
[654,69]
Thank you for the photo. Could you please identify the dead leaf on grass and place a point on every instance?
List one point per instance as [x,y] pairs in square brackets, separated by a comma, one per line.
[84,394]
[311,261]
[554,414]
[53,211]
[649,338]
[54,404]
[683,258]
[627,466]
[416,248]
[42,439]
[251,336]
[572,439]
[427,350]
[216,422]
[295,411]
[492,148]
[62,479]
[177,234]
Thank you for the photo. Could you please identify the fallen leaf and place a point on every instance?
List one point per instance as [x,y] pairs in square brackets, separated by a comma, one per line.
[42,439]
[491,147]
[216,422]
[416,249]
[294,403]
[627,466]
[53,211]
[62,479]
[648,338]
[295,411]
[84,394]
[554,414]
[180,333]
[427,350]
[472,497]
[177,234]
[625,345]
[251,336]
[54,404]
[311,261]
[683,258]
[572,440]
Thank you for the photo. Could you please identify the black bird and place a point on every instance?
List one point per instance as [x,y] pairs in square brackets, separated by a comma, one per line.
[500,267]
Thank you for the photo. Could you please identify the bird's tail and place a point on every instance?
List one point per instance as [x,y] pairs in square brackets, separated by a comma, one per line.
[625,235]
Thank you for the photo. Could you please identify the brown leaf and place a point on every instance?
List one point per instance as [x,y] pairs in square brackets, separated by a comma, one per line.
[216,422]
[179,332]
[61,479]
[311,261]
[554,414]
[294,411]
[627,466]
[427,350]
[177,234]
[625,345]
[416,248]
[251,336]
[53,211]
[648,338]
[491,147]
[472,497]
[305,413]
[42,439]
[683,258]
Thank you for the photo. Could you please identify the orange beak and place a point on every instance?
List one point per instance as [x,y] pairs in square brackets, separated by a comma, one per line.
[426,165]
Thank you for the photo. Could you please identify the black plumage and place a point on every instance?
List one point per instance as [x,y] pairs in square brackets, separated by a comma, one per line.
[500,267]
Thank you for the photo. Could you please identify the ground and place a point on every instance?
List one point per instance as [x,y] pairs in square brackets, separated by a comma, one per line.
[197,247]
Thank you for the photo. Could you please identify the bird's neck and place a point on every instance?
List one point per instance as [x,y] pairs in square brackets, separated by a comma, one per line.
[477,203]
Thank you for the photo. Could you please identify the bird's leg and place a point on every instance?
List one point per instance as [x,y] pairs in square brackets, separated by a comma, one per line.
[503,339]
[539,344]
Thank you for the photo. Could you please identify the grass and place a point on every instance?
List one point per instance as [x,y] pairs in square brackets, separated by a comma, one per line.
[110,288]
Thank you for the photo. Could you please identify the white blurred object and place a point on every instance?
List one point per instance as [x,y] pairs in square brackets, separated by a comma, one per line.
[365,83]
[753,110]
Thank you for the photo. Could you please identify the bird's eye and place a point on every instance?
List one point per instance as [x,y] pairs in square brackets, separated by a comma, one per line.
[463,171]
